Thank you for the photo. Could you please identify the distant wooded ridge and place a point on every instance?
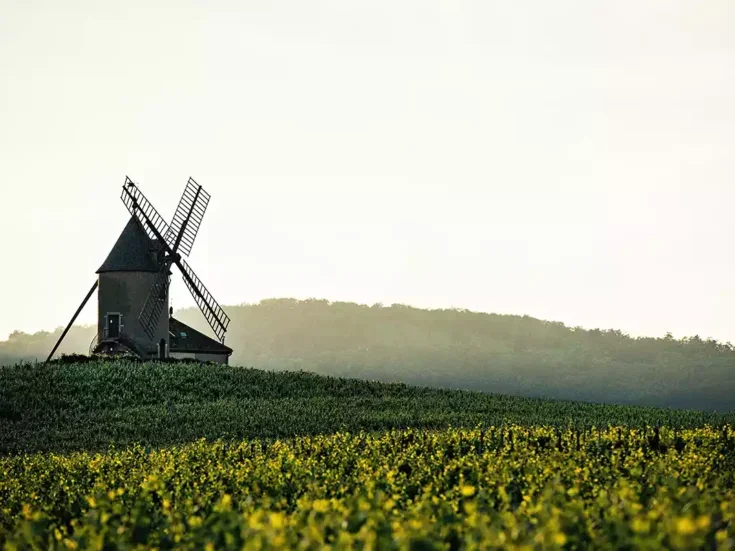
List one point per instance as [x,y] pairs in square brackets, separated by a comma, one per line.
[455,348]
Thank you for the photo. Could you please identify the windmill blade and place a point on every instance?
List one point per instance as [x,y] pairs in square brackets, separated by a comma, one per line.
[155,302]
[142,209]
[187,219]
[212,311]
[74,317]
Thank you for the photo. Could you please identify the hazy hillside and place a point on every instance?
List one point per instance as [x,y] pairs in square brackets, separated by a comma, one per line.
[458,349]
[36,346]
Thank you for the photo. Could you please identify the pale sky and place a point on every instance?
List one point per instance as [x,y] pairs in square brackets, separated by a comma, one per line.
[569,160]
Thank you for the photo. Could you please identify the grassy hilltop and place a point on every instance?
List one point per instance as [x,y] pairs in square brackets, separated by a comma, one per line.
[90,404]
[516,355]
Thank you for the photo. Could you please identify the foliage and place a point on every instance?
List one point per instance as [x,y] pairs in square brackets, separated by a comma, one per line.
[505,354]
[498,487]
[63,406]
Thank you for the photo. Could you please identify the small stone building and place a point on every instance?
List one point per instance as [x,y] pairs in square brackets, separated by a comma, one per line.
[190,343]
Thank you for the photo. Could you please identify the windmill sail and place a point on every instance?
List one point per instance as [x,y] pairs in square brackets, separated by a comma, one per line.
[142,209]
[180,234]
[155,302]
[212,311]
[187,219]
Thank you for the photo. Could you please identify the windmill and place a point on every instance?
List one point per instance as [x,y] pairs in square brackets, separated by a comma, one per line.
[133,300]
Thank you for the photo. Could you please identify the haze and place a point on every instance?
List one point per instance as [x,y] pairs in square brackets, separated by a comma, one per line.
[569,160]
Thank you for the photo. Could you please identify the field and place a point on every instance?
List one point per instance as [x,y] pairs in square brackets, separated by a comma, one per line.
[121,454]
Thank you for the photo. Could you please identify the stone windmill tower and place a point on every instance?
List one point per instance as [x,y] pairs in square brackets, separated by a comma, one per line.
[133,282]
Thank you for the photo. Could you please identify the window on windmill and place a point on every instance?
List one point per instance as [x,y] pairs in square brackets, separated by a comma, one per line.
[183,335]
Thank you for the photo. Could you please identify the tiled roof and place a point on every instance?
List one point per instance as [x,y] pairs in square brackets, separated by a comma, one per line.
[134,251]
[185,339]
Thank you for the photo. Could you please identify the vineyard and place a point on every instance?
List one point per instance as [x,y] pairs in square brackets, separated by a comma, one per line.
[509,487]
[119,455]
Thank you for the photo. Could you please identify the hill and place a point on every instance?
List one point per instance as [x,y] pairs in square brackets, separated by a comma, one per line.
[69,405]
[507,354]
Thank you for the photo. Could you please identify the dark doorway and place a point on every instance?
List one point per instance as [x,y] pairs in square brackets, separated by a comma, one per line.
[113,326]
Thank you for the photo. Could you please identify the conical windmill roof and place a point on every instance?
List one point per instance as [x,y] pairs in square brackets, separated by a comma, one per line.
[134,251]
